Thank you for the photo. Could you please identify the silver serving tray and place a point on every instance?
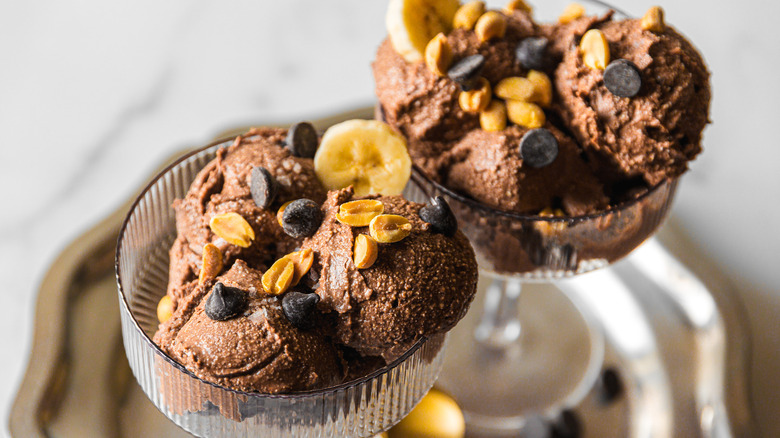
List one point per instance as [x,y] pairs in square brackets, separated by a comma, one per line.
[675,331]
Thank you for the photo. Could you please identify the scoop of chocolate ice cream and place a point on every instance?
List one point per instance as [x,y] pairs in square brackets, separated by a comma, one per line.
[224,186]
[419,286]
[653,134]
[257,350]
[448,144]
[488,166]
[622,145]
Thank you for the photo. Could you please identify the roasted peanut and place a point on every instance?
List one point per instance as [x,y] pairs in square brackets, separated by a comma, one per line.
[278,278]
[514,88]
[517,5]
[468,14]
[493,118]
[653,20]
[389,228]
[302,261]
[233,228]
[365,251]
[164,309]
[359,213]
[525,114]
[211,264]
[542,88]
[438,55]
[571,13]
[477,99]
[490,25]
[595,49]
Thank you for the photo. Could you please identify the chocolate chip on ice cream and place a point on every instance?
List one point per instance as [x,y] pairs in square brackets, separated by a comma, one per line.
[302,140]
[298,307]
[301,218]
[224,302]
[263,187]
[531,53]
[622,78]
[438,214]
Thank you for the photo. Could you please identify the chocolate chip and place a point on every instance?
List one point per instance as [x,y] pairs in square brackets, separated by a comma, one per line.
[439,215]
[225,302]
[263,187]
[466,72]
[302,140]
[298,307]
[609,386]
[566,425]
[301,218]
[531,53]
[538,148]
[622,78]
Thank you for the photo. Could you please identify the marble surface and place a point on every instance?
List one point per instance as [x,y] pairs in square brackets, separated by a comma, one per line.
[93,95]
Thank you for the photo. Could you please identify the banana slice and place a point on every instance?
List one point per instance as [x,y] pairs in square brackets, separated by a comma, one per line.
[412,23]
[366,154]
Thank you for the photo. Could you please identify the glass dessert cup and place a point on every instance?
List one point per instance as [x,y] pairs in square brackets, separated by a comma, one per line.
[508,361]
[362,407]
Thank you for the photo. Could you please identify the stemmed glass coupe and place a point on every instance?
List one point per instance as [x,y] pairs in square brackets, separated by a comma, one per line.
[507,362]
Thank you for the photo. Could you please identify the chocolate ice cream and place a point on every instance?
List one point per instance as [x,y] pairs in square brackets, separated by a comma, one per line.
[271,291]
[613,143]
[652,134]
[224,186]
[419,286]
[258,350]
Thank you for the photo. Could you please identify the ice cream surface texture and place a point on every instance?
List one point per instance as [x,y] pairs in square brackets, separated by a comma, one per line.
[277,285]
[577,115]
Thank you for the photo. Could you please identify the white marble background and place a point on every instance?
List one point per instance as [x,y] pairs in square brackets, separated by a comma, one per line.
[94,94]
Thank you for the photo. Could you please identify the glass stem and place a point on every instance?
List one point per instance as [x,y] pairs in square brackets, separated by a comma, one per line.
[500,325]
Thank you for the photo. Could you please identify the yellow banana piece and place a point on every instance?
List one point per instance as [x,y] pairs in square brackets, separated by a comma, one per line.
[411,24]
[366,154]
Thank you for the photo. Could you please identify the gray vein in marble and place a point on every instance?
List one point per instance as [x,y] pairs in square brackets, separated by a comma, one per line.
[108,141]
[93,154]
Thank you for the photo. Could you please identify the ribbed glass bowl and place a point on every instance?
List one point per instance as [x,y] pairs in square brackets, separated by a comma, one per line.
[540,247]
[359,408]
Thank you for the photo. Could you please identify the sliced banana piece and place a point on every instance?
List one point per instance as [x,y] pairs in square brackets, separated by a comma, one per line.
[412,23]
[366,154]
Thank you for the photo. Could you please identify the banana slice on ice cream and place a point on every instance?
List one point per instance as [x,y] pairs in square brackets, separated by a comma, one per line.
[412,23]
[366,154]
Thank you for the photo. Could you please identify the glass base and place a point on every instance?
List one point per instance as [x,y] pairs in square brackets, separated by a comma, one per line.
[547,362]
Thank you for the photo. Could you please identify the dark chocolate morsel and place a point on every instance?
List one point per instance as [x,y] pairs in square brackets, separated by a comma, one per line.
[298,307]
[466,71]
[225,302]
[531,53]
[263,187]
[566,425]
[301,218]
[622,78]
[302,140]
[538,148]
[609,386]
[439,215]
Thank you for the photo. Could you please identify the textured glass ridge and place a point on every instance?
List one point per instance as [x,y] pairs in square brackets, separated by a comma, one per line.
[536,247]
[356,409]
